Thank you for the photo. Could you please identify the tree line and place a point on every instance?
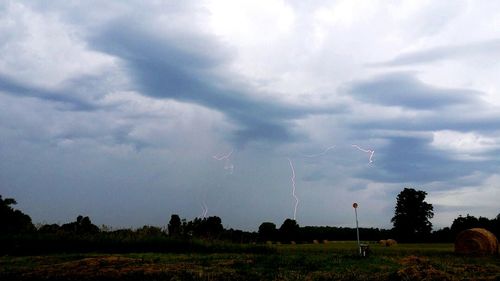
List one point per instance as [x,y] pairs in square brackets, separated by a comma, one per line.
[411,224]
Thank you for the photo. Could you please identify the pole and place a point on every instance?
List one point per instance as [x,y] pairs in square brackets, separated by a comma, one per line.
[355,205]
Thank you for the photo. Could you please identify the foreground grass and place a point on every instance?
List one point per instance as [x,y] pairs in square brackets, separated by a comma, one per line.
[333,261]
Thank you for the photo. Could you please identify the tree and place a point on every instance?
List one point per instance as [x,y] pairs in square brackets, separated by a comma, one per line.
[496,225]
[289,230]
[209,228]
[13,221]
[462,223]
[214,227]
[267,231]
[149,231]
[412,214]
[82,225]
[49,228]
[174,226]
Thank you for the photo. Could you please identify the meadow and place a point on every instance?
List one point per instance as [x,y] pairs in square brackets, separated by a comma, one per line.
[330,261]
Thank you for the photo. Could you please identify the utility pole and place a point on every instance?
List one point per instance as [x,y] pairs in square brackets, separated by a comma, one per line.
[355,206]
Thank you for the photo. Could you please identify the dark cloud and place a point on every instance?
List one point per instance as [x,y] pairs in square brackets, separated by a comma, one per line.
[66,97]
[413,160]
[70,147]
[457,119]
[445,52]
[181,67]
[403,89]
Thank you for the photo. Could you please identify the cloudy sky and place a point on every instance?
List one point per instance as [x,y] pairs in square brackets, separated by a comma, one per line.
[129,111]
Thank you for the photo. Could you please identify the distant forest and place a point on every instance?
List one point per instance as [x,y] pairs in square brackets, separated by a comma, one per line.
[18,235]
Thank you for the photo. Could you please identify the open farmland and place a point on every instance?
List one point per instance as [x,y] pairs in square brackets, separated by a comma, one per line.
[332,261]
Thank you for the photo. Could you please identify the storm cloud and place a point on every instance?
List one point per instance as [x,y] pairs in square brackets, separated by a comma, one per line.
[403,89]
[119,110]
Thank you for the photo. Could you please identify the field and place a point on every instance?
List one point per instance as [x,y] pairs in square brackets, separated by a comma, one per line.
[331,261]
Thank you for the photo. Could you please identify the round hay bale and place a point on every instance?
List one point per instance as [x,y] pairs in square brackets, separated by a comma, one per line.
[476,241]
[326,241]
[391,242]
[315,242]
[388,242]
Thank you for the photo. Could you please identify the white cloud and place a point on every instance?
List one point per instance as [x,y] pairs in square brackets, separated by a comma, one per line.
[466,146]
[477,200]
[43,50]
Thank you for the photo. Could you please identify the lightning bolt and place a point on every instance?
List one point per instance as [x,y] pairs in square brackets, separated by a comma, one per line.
[227,162]
[224,156]
[293,190]
[366,151]
[322,153]
[204,210]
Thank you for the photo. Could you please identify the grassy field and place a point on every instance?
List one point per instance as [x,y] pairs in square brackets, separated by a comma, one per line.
[332,261]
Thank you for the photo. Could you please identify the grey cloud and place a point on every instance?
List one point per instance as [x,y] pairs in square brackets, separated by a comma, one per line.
[12,87]
[483,48]
[77,116]
[413,160]
[403,89]
[181,68]
[314,176]
[99,173]
[462,120]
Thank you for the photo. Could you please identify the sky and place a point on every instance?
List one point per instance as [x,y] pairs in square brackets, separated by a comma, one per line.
[253,111]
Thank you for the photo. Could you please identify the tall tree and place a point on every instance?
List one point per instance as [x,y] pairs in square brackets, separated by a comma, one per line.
[267,231]
[213,227]
[411,217]
[289,230]
[174,226]
[13,221]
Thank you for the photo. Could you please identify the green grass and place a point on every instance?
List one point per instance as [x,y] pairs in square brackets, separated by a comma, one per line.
[333,261]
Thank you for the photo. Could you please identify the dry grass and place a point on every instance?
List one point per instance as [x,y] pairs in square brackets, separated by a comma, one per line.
[332,261]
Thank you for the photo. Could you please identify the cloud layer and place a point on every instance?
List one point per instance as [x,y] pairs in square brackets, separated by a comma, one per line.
[116,112]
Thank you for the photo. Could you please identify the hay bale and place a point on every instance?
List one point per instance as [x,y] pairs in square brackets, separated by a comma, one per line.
[293,242]
[476,241]
[388,242]
[326,241]
[391,242]
[315,242]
